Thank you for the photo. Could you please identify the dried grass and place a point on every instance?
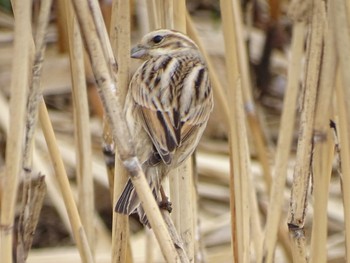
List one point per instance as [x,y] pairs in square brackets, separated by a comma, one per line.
[232,205]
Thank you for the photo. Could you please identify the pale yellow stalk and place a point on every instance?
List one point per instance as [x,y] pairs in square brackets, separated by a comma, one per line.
[21,68]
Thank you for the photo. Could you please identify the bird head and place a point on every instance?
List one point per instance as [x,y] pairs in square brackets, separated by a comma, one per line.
[161,42]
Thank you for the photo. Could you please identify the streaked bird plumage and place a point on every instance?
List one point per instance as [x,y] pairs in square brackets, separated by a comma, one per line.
[167,108]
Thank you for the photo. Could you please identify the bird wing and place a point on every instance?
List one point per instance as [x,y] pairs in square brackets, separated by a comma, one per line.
[168,114]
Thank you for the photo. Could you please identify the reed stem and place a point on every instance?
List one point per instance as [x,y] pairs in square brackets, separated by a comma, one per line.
[21,69]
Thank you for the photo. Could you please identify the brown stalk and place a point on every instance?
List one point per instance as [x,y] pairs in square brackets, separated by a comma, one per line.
[82,128]
[120,41]
[19,89]
[301,176]
[121,135]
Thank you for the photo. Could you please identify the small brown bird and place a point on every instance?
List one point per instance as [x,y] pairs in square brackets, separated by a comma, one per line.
[167,108]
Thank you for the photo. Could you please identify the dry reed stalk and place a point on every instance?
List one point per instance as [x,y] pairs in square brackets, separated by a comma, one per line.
[61,175]
[252,117]
[120,42]
[167,8]
[54,193]
[238,199]
[342,40]
[221,103]
[29,217]
[323,148]
[32,198]
[113,108]
[141,12]
[301,176]
[342,43]
[186,193]
[243,177]
[153,18]
[19,89]
[52,189]
[324,151]
[344,157]
[149,256]
[82,128]
[184,189]
[285,137]
[35,90]
[62,27]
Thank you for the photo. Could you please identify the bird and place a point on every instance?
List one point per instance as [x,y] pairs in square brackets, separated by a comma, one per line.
[167,107]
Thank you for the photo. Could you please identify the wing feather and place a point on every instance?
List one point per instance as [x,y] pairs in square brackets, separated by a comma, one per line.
[174,103]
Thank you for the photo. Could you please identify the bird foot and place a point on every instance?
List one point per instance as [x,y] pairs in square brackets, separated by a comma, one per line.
[166,205]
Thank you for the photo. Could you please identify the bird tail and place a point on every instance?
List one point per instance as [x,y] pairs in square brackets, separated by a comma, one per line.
[128,200]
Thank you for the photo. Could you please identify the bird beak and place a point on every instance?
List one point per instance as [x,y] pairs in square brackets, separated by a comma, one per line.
[138,51]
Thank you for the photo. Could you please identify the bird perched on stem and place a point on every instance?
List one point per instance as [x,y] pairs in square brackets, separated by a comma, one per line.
[167,108]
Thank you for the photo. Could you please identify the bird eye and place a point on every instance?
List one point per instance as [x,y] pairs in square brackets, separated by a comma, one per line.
[157,39]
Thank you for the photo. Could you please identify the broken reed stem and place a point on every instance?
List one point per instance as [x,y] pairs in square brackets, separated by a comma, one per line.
[61,175]
[19,90]
[323,147]
[121,136]
[120,41]
[82,128]
[252,117]
[285,137]
[301,176]
[24,222]
[29,217]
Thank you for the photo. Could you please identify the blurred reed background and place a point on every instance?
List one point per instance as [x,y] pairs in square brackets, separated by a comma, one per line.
[270,179]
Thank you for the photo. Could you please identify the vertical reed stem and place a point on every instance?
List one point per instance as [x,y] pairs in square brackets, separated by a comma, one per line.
[252,117]
[284,144]
[82,127]
[19,90]
[120,41]
[239,154]
[340,17]
[77,227]
[301,177]
[323,148]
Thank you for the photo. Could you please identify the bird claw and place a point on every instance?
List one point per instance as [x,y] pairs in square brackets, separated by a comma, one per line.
[166,205]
